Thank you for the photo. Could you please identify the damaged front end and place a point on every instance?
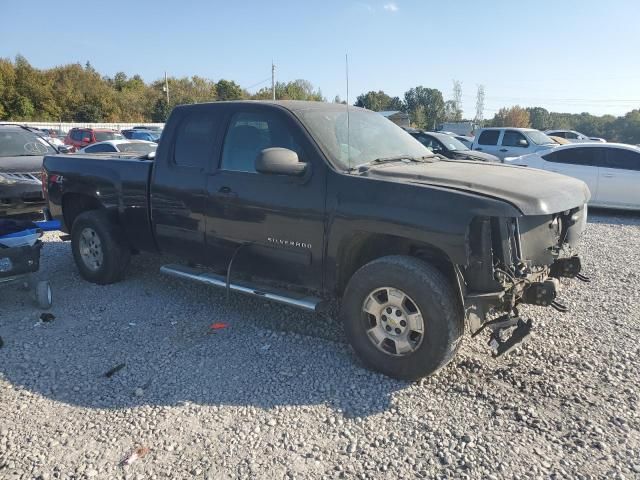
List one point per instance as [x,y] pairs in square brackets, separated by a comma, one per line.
[518,260]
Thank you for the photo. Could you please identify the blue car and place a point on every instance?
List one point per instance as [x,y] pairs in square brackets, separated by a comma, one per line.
[137,134]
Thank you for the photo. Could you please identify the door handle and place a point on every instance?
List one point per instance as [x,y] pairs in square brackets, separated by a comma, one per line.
[227,192]
[608,175]
[504,150]
[478,149]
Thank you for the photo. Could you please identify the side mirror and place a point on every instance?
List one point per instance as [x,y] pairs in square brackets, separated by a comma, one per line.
[279,161]
[523,143]
[65,149]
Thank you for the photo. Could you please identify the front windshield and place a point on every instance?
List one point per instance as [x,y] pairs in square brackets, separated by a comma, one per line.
[371,136]
[540,138]
[453,143]
[138,147]
[18,143]
[104,136]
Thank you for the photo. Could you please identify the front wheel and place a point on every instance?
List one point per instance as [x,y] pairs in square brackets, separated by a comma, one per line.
[402,317]
[99,248]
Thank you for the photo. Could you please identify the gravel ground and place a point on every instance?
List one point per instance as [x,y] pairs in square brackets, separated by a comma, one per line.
[278,394]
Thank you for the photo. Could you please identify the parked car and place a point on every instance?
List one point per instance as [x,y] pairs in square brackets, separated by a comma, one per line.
[612,170]
[153,128]
[573,136]
[511,142]
[466,141]
[139,134]
[21,153]
[81,137]
[141,147]
[305,203]
[448,146]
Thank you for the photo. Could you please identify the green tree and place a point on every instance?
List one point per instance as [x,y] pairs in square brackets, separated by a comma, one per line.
[432,102]
[229,90]
[88,113]
[376,101]
[539,118]
[418,118]
[160,111]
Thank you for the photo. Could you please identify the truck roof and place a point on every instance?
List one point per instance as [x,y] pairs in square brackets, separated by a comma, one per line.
[292,105]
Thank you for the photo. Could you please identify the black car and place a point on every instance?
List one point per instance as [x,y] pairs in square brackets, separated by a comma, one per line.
[449,146]
[313,205]
[21,153]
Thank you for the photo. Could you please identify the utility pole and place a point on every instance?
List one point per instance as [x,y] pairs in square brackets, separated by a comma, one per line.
[273,80]
[166,86]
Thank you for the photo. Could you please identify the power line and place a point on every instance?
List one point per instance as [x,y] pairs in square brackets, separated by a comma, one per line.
[257,84]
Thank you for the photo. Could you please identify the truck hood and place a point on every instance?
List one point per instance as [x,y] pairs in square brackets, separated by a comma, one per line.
[23,164]
[533,192]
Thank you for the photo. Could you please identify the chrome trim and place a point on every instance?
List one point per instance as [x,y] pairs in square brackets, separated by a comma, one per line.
[180,271]
[22,177]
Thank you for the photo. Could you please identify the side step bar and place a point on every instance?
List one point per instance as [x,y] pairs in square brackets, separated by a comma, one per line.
[203,276]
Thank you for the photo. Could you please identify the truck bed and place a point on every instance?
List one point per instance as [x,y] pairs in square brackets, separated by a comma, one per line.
[119,183]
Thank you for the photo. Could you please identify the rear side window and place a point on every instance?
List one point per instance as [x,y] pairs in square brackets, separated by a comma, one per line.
[100,148]
[558,134]
[194,140]
[576,156]
[512,138]
[622,159]
[489,137]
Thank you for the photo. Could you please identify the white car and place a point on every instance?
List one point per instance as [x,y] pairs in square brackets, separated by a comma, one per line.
[121,146]
[511,142]
[611,170]
[573,136]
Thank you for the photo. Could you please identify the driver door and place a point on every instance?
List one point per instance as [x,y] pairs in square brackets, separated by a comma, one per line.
[273,224]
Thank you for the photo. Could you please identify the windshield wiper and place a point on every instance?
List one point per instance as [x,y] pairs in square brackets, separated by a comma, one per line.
[399,158]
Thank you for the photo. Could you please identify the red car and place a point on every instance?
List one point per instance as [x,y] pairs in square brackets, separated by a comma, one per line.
[81,137]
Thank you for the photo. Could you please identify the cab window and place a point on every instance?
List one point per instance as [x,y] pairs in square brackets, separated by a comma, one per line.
[513,138]
[251,132]
[194,140]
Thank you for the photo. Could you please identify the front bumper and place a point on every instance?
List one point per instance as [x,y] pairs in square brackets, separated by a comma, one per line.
[518,260]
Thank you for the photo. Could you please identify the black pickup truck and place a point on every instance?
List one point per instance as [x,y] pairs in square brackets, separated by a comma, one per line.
[313,205]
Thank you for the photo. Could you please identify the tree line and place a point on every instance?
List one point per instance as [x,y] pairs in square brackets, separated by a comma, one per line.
[78,93]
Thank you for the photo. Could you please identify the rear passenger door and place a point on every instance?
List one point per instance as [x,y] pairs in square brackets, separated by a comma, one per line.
[273,223]
[179,183]
[580,162]
[620,178]
[488,142]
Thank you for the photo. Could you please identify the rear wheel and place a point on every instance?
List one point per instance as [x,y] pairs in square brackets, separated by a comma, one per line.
[402,317]
[99,249]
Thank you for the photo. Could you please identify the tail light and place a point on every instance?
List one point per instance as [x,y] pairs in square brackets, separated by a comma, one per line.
[45,186]
[49,179]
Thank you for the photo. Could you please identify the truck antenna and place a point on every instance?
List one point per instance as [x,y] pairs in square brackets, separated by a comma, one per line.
[346,64]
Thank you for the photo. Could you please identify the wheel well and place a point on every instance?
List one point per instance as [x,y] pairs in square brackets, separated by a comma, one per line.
[363,248]
[73,204]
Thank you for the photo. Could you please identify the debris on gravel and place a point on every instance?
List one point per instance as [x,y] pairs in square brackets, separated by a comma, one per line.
[280,394]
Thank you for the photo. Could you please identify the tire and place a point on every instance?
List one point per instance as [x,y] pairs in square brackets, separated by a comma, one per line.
[99,248]
[43,295]
[428,296]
